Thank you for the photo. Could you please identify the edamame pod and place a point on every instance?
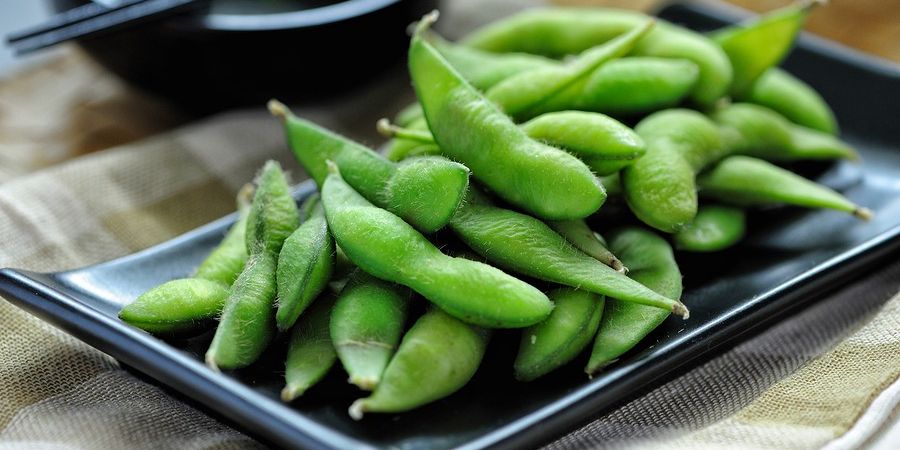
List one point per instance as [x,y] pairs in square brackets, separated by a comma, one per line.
[651,262]
[635,85]
[437,356]
[660,187]
[537,91]
[557,32]
[425,192]
[485,69]
[757,131]
[366,326]
[793,99]
[715,228]
[385,246]
[310,353]
[305,265]
[526,245]
[541,179]
[603,143]
[247,324]
[559,339]
[177,307]
[225,262]
[759,44]
[743,180]
[583,238]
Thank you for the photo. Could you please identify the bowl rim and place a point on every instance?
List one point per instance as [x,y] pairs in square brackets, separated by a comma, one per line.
[321,15]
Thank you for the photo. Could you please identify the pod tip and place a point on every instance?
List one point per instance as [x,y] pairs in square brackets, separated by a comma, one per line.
[278,109]
[425,22]
[291,392]
[357,409]
[384,127]
[617,265]
[211,362]
[863,213]
[680,310]
[332,167]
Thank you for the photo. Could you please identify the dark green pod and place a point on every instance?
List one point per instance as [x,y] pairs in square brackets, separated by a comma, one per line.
[437,356]
[177,307]
[715,228]
[651,262]
[310,353]
[366,326]
[305,265]
[559,339]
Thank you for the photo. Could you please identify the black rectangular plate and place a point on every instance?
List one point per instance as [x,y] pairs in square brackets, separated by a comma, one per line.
[788,258]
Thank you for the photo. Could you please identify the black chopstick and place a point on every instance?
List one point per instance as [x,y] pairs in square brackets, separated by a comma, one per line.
[93,19]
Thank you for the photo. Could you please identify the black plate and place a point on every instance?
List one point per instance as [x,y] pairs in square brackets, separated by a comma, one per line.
[787,259]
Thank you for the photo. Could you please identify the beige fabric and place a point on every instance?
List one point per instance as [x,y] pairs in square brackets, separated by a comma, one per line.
[798,385]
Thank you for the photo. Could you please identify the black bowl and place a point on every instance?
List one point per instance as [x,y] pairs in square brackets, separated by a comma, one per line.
[207,61]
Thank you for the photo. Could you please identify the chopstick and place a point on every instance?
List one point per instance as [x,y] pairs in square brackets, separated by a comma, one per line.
[93,19]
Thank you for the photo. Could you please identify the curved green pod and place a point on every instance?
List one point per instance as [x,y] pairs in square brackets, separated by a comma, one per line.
[366,325]
[746,181]
[583,238]
[247,324]
[651,262]
[305,266]
[424,192]
[526,245]
[537,91]
[758,131]
[227,260]
[603,143]
[310,353]
[715,228]
[470,129]
[636,85]
[386,247]
[792,98]
[559,339]
[561,31]
[177,307]
[759,44]
[437,357]
[660,187]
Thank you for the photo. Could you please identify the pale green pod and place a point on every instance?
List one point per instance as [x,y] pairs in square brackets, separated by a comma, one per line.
[177,307]
[559,339]
[637,85]
[793,99]
[485,69]
[310,353]
[366,326]
[437,357]
[624,324]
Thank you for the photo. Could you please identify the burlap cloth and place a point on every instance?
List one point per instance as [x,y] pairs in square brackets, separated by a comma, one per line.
[827,376]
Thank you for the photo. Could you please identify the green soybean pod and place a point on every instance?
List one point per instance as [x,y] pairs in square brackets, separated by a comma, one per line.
[423,191]
[247,324]
[758,131]
[715,228]
[366,325]
[559,339]
[305,265]
[526,245]
[793,99]
[759,44]
[660,186]
[437,357]
[485,69]
[603,143]
[177,307]
[310,353]
[225,262]
[386,247]
[583,238]
[636,85]
[746,181]
[537,91]
[624,324]
[468,128]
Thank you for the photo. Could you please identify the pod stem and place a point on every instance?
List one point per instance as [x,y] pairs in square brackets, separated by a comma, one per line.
[680,310]
[389,130]
[357,409]
[617,265]
[291,392]
[425,23]
[863,213]
[278,109]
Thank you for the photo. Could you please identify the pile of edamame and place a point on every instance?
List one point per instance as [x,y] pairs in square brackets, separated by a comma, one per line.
[476,217]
